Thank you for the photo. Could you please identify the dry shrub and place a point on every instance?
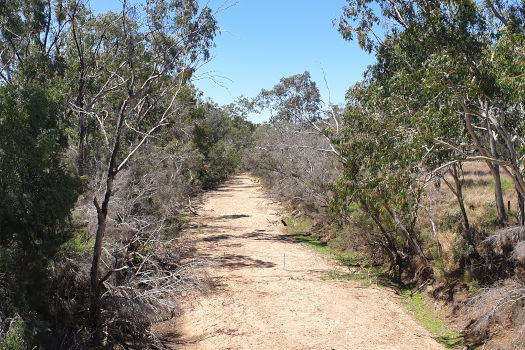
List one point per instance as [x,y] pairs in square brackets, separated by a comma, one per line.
[503,241]
[144,291]
[146,261]
[70,303]
[505,253]
[519,252]
[295,163]
[145,254]
[502,304]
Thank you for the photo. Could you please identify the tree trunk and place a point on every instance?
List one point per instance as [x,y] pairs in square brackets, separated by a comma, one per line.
[498,195]
[81,160]
[494,168]
[80,97]
[82,128]
[456,172]
[390,247]
[521,210]
[411,240]
[95,285]
[102,213]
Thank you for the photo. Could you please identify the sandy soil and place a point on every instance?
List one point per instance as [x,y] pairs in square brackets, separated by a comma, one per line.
[267,291]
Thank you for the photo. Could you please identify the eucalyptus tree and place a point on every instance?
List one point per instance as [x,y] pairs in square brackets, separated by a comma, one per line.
[83,51]
[221,136]
[295,152]
[124,76]
[31,40]
[145,60]
[437,60]
[382,175]
[296,100]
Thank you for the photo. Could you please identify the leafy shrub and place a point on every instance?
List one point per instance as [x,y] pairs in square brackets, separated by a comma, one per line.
[14,337]
[452,221]
[37,193]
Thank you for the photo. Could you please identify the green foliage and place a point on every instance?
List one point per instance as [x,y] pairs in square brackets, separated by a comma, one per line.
[473,286]
[36,191]
[221,138]
[490,214]
[294,99]
[67,76]
[36,196]
[466,240]
[465,246]
[444,89]
[14,338]
[383,187]
[452,221]
[78,243]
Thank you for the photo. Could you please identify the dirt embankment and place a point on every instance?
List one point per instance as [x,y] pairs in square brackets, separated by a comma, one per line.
[268,293]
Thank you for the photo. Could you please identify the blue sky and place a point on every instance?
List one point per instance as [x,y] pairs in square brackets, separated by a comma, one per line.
[262,41]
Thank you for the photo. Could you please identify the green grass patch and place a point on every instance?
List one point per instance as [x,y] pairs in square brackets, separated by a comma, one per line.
[300,227]
[78,242]
[313,242]
[506,185]
[473,286]
[336,275]
[366,279]
[422,310]
[298,224]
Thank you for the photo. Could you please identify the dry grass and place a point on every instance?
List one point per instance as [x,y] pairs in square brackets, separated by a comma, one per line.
[497,310]
[478,193]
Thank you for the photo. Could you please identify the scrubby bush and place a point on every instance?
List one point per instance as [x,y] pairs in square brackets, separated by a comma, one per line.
[13,338]
[147,261]
[37,193]
[221,137]
[287,157]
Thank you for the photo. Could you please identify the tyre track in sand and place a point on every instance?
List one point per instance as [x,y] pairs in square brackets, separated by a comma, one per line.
[267,291]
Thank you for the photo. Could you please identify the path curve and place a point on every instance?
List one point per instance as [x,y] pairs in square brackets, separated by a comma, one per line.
[268,293]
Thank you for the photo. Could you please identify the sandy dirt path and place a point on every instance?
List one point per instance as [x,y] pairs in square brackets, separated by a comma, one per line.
[267,291]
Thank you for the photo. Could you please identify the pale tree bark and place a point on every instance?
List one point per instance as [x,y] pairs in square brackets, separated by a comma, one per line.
[498,192]
[498,196]
[409,237]
[493,165]
[456,171]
